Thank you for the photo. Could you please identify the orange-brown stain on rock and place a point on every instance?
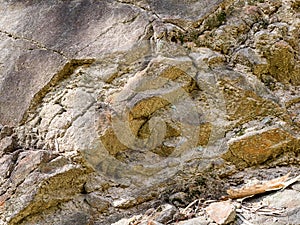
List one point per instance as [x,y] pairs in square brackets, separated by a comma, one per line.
[259,147]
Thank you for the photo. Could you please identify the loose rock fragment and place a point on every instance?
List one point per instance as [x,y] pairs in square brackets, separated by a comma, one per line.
[221,212]
[194,221]
[166,213]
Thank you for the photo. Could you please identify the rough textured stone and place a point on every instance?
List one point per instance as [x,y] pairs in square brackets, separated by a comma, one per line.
[7,165]
[166,214]
[286,202]
[250,58]
[194,221]
[5,131]
[97,202]
[221,212]
[259,146]
[39,184]
[107,107]
[7,144]
[73,32]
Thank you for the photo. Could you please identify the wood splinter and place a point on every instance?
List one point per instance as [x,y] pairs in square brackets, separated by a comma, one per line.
[271,185]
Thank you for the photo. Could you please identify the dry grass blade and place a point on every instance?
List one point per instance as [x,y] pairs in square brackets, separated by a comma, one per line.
[190,205]
[252,209]
[271,212]
[247,191]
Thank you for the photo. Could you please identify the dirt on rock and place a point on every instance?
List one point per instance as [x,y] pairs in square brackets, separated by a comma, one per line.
[146,112]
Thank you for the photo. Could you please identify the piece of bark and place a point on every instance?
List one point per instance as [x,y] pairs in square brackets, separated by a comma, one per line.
[251,190]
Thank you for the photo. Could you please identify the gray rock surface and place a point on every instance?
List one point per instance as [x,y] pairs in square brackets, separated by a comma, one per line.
[277,207]
[108,108]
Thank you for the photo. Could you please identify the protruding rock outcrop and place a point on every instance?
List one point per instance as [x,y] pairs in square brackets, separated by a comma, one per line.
[108,106]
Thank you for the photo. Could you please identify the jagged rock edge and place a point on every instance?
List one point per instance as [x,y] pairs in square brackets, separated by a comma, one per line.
[64,73]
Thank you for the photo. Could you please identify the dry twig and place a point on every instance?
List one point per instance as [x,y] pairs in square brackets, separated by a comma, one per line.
[271,185]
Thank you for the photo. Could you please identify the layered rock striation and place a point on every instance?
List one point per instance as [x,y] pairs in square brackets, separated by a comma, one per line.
[107,106]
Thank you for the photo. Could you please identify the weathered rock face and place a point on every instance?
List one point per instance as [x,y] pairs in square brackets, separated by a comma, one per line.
[105,104]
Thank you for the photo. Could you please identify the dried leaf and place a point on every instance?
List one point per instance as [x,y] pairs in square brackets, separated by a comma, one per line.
[247,191]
